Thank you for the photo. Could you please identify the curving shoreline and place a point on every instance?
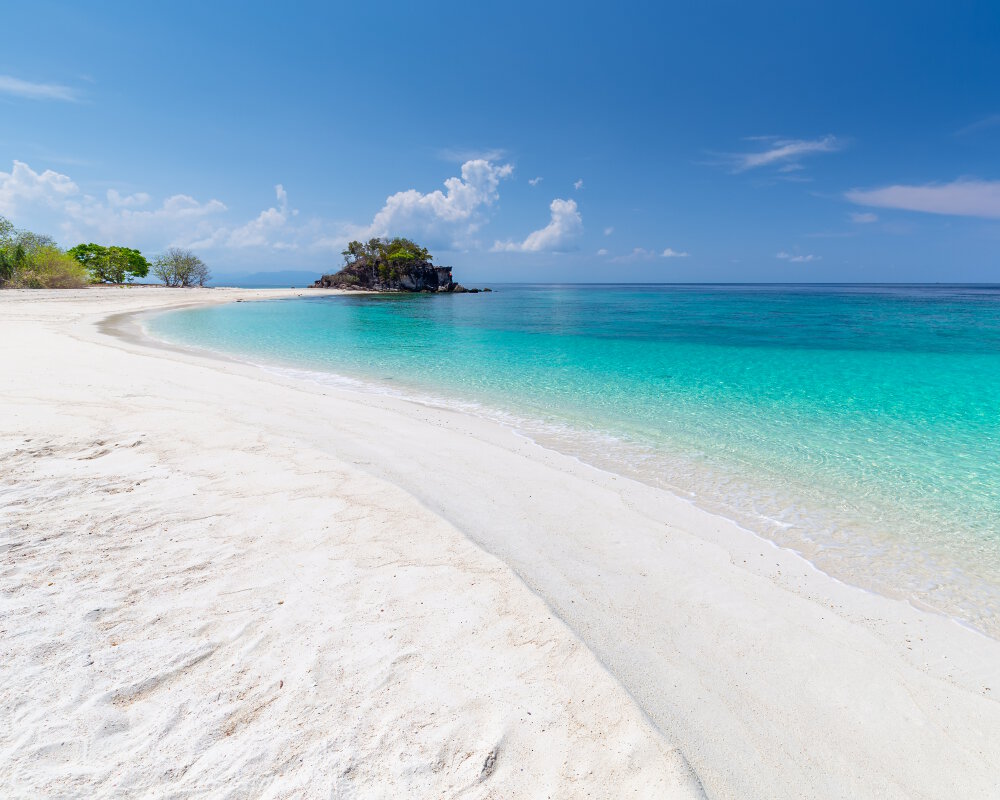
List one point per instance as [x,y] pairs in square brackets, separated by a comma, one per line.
[767,677]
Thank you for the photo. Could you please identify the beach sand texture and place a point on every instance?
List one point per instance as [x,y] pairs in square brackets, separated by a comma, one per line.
[216,581]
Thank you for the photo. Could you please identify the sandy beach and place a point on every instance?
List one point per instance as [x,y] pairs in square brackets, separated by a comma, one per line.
[221,581]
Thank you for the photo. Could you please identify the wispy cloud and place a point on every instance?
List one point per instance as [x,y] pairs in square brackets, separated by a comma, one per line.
[535,181]
[565,226]
[863,217]
[645,254]
[798,259]
[609,230]
[785,154]
[965,197]
[16,87]
[992,121]
[460,155]
[578,184]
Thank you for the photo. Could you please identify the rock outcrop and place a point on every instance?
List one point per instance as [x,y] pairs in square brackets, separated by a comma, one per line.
[415,277]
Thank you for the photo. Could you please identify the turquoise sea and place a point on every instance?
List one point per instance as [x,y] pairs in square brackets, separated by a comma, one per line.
[858,425]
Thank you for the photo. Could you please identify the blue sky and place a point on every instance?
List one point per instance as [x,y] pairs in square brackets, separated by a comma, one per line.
[537,141]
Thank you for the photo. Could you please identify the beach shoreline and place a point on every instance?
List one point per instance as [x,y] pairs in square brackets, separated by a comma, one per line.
[752,673]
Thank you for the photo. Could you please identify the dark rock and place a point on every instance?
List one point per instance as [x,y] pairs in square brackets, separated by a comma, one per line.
[412,276]
[421,276]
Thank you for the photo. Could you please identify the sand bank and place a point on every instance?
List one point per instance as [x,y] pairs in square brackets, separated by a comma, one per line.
[216,580]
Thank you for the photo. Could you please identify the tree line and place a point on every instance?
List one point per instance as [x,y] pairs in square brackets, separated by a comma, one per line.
[34,261]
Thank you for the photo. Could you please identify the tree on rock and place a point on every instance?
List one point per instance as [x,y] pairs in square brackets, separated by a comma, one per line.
[178,267]
[384,258]
[111,264]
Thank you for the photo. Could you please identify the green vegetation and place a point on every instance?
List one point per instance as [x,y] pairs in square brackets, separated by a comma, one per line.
[111,264]
[33,261]
[384,257]
[179,267]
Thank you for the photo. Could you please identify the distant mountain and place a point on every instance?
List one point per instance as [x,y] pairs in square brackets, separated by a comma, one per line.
[268,280]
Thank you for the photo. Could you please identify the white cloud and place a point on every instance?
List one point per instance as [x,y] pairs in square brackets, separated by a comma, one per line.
[116,200]
[992,121]
[565,225]
[798,259]
[602,252]
[645,254]
[637,254]
[453,215]
[609,230]
[22,186]
[261,231]
[461,155]
[578,185]
[35,91]
[118,218]
[863,217]
[535,181]
[787,153]
[965,197]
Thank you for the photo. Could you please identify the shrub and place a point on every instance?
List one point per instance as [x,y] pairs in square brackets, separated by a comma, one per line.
[33,261]
[49,268]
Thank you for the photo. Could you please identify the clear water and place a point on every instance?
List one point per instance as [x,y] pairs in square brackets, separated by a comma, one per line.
[859,425]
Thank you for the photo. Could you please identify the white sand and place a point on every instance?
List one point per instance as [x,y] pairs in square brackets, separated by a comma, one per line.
[220,582]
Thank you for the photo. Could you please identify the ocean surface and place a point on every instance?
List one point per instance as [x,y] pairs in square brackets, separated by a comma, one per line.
[858,425]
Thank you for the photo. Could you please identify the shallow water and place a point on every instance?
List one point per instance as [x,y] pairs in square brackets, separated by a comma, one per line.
[859,425]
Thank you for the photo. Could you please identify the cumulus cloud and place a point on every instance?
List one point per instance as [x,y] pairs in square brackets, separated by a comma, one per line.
[23,186]
[785,154]
[49,200]
[565,225]
[578,185]
[117,200]
[117,217]
[535,181]
[671,253]
[15,87]
[262,231]
[965,197]
[798,259]
[863,217]
[453,215]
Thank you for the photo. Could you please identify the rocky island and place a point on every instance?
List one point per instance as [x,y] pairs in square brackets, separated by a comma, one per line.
[390,265]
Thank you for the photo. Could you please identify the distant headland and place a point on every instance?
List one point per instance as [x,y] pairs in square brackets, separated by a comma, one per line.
[391,265]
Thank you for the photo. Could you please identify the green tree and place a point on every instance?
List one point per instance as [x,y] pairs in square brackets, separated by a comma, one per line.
[384,258]
[33,261]
[111,264]
[11,254]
